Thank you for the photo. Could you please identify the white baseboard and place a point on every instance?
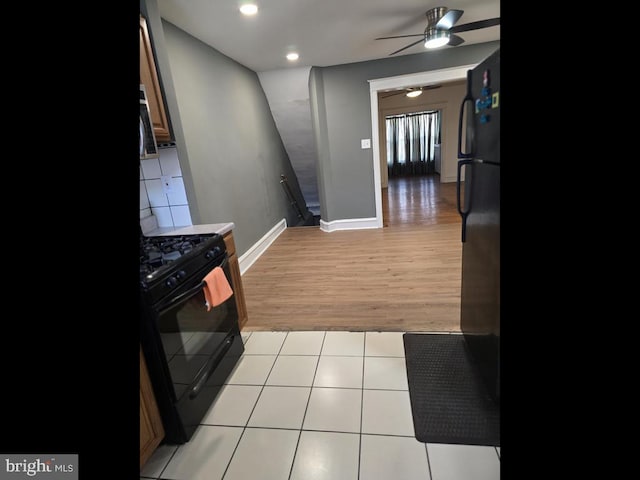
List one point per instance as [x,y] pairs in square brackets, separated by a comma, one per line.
[249,257]
[449,179]
[349,224]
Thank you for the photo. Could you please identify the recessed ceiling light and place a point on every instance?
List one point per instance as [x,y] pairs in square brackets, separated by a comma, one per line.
[249,9]
[293,56]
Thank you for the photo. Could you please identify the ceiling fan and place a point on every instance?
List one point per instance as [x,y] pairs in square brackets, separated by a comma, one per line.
[440,29]
[410,91]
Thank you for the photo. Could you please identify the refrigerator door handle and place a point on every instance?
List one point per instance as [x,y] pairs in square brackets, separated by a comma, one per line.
[463,214]
[467,98]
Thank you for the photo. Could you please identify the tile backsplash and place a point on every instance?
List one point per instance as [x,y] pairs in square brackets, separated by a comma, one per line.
[162,190]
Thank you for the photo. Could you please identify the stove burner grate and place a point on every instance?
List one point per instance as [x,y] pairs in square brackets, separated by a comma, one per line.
[156,252]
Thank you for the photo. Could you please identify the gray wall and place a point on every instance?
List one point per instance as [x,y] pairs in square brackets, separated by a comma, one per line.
[341,104]
[230,151]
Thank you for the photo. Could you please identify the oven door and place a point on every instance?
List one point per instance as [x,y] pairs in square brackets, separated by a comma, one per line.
[200,347]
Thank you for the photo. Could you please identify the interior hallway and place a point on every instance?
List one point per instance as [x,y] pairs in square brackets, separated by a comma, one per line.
[403,277]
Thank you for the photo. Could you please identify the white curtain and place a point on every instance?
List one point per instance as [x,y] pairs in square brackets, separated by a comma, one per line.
[410,142]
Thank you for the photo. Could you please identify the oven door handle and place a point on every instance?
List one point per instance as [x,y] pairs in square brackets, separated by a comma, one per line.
[163,307]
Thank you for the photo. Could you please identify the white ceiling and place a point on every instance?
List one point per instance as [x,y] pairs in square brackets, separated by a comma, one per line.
[323,32]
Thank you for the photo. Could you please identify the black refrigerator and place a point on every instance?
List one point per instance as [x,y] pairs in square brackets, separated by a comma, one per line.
[478,199]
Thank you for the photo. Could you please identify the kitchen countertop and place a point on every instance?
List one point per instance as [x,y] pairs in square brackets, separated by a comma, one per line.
[220,228]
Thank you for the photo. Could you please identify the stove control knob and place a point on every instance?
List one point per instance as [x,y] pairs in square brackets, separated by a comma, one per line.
[212,253]
[171,282]
[181,274]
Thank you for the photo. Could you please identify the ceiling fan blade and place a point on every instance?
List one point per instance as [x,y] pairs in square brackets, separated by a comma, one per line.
[449,19]
[410,45]
[455,40]
[391,94]
[402,36]
[489,22]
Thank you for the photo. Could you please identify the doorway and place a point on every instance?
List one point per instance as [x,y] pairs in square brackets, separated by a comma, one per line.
[448,171]
[410,130]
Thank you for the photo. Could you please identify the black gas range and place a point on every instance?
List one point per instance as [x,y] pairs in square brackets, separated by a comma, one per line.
[190,351]
[167,260]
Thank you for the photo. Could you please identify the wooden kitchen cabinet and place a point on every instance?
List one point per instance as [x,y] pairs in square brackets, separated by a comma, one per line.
[151,429]
[236,278]
[149,78]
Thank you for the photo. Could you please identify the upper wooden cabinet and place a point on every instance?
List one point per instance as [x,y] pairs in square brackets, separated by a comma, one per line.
[149,78]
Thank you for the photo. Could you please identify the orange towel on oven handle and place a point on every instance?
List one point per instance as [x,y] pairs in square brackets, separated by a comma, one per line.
[216,288]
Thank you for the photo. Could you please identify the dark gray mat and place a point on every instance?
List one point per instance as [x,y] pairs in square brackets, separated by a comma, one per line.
[449,402]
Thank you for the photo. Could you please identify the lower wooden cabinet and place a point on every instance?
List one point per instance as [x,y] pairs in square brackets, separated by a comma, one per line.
[151,429]
[234,267]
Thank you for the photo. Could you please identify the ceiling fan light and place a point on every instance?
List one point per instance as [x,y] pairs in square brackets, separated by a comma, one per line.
[435,38]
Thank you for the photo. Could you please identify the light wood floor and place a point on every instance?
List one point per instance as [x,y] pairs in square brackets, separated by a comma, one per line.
[403,277]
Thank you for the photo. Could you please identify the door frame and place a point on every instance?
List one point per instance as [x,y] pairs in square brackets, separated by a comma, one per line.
[395,83]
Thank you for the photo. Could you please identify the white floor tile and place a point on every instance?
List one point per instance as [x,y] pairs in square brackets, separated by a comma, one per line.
[263,454]
[384,344]
[326,456]
[463,462]
[339,372]
[252,369]
[343,343]
[264,343]
[498,450]
[205,456]
[233,405]
[293,370]
[302,343]
[245,336]
[397,458]
[387,412]
[334,409]
[280,407]
[158,460]
[385,373]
